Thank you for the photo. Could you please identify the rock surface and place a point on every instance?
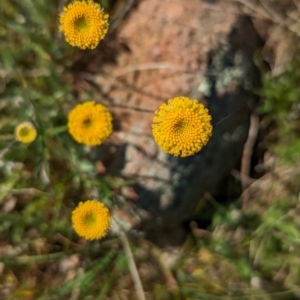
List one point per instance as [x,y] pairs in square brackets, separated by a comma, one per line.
[200,49]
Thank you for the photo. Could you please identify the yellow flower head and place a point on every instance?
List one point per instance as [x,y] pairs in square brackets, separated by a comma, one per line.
[91,219]
[25,133]
[84,24]
[90,123]
[182,127]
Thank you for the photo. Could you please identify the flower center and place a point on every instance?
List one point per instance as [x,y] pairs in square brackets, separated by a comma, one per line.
[81,23]
[87,123]
[90,219]
[179,126]
[24,131]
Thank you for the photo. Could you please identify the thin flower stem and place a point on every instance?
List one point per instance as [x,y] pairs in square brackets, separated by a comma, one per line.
[132,266]
[131,263]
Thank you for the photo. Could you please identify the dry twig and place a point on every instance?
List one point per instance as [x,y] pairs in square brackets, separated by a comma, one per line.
[266,11]
[246,158]
[153,66]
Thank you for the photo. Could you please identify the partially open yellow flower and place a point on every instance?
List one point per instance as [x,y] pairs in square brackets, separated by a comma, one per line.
[84,24]
[25,133]
[182,127]
[91,219]
[90,123]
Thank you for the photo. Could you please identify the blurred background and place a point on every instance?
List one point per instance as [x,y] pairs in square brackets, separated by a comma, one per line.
[223,224]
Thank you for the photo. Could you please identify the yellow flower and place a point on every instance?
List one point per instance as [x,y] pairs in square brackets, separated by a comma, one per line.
[84,24]
[25,133]
[91,219]
[90,123]
[182,127]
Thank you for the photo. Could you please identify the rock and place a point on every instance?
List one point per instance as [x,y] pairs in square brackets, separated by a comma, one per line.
[168,49]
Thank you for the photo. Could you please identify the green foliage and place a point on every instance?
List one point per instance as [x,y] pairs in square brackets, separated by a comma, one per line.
[282,91]
[281,105]
[262,244]
[41,182]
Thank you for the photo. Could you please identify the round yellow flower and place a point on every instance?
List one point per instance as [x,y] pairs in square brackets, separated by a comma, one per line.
[25,133]
[90,123]
[84,24]
[91,219]
[182,127]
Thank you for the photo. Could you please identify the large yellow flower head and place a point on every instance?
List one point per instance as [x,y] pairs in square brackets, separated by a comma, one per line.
[25,133]
[84,24]
[182,127]
[90,123]
[91,219]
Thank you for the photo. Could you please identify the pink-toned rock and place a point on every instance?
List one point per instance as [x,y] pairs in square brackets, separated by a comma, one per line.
[168,49]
